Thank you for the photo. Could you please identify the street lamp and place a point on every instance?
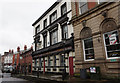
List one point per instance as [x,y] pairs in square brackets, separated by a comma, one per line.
[64,71]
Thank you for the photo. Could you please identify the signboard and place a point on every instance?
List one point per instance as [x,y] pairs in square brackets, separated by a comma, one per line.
[92,69]
[113,39]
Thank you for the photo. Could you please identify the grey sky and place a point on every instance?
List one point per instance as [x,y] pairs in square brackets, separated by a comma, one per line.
[16,18]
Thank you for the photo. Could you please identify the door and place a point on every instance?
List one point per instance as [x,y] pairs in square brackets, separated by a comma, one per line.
[71,71]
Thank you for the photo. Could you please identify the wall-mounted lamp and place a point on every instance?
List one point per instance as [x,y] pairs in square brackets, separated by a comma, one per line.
[105,13]
[84,23]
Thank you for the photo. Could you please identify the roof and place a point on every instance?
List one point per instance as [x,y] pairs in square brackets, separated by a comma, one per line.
[46,12]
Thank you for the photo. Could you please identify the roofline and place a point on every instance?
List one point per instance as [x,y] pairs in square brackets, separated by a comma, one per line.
[46,12]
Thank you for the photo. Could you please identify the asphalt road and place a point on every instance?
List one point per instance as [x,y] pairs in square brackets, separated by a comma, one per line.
[6,78]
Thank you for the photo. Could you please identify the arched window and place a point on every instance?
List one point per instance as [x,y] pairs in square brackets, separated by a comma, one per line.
[86,36]
[111,38]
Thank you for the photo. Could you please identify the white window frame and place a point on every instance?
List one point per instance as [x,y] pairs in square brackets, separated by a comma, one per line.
[81,6]
[54,37]
[105,45]
[84,50]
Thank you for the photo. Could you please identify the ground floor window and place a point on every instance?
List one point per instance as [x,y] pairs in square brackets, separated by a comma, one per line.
[88,49]
[112,44]
[61,60]
[55,60]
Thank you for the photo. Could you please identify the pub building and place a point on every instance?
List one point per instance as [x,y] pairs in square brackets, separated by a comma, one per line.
[97,36]
[54,41]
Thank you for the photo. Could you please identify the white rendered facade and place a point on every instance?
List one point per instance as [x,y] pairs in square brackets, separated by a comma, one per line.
[49,37]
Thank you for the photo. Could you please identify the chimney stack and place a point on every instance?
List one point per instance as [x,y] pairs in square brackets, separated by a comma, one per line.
[25,47]
[12,51]
[18,49]
[9,50]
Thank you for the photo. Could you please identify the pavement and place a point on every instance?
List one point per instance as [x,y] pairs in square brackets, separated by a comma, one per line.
[51,78]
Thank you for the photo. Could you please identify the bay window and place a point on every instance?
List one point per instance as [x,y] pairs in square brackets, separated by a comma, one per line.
[112,44]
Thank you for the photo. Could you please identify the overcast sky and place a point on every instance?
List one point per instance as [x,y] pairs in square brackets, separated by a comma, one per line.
[16,18]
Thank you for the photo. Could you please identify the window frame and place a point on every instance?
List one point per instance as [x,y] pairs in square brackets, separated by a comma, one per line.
[51,37]
[45,41]
[55,62]
[37,29]
[80,10]
[85,49]
[49,61]
[55,12]
[105,46]
[62,7]
[63,32]
[62,60]
[45,23]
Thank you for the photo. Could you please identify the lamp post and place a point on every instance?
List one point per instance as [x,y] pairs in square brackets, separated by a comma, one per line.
[64,71]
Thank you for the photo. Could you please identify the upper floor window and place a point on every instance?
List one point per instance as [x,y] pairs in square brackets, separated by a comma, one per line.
[45,41]
[53,16]
[112,44]
[63,9]
[64,31]
[45,23]
[54,37]
[37,29]
[83,6]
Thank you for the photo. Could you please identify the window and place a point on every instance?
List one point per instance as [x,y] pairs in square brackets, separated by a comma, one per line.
[88,49]
[37,29]
[54,60]
[45,23]
[63,9]
[45,41]
[35,62]
[53,17]
[40,62]
[83,6]
[64,31]
[101,1]
[112,44]
[49,61]
[61,60]
[54,37]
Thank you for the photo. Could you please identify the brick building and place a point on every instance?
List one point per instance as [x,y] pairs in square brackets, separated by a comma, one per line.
[97,36]
[26,60]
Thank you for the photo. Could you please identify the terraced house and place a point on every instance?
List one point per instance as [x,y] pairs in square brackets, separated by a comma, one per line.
[53,40]
[97,36]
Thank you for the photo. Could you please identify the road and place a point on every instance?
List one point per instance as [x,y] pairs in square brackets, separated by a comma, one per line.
[8,79]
